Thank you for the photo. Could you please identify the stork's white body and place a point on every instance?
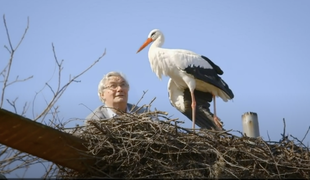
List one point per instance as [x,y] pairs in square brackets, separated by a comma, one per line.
[171,62]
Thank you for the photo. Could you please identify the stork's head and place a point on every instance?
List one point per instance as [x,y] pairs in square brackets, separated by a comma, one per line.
[154,34]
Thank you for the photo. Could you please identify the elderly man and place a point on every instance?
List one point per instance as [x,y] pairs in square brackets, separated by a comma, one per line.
[113,92]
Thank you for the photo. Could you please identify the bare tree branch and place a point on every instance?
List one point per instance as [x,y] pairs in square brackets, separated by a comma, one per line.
[12,51]
[61,90]
[305,134]
[12,103]
[19,80]
[11,159]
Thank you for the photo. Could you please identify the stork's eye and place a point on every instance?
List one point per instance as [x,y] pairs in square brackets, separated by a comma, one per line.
[153,34]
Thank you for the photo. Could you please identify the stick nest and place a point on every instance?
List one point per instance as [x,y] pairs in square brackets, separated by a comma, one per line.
[137,146]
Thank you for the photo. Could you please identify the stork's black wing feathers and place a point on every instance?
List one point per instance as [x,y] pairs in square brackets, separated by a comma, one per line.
[204,118]
[214,66]
[210,76]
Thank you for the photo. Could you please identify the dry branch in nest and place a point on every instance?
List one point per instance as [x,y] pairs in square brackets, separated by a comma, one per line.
[137,146]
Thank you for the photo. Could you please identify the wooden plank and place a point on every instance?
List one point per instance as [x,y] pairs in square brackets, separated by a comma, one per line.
[42,141]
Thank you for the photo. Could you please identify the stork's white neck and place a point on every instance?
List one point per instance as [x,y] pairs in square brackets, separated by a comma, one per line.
[159,41]
[156,57]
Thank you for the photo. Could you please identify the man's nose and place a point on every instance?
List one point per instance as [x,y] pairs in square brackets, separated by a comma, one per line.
[119,88]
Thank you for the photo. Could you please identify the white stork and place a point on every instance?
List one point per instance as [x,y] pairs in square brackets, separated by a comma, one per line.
[189,73]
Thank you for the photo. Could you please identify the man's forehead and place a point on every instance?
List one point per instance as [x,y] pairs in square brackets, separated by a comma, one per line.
[115,79]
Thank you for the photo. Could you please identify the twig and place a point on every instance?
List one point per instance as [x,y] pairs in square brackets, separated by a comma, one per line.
[19,80]
[135,105]
[61,90]
[12,52]
[305,134]
[284,127]
[13,104]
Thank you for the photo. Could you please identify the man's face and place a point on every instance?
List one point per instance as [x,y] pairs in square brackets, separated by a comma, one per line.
[116,91]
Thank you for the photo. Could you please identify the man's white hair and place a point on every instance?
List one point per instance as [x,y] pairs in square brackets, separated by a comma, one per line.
[101,86]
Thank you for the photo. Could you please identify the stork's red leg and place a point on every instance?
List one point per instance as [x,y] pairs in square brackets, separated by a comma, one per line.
[214,112]
[193,109]
[216,120]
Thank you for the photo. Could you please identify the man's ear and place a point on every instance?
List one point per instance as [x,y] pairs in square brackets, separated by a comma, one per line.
[102,96]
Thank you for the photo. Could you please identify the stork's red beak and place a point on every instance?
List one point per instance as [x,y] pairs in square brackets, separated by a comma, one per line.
[147,42]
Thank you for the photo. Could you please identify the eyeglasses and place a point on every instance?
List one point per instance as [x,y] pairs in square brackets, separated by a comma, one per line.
[114,86]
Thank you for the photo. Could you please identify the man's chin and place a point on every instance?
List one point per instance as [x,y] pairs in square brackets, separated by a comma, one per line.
[121,99]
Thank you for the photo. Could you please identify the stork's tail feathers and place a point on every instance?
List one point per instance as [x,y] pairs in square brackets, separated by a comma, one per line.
[204,118]
[207,119]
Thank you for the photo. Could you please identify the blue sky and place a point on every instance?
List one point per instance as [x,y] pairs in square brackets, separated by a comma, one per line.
[262,47]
